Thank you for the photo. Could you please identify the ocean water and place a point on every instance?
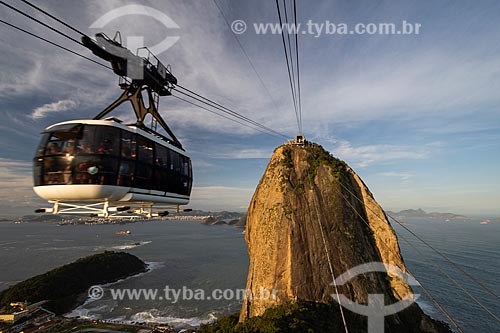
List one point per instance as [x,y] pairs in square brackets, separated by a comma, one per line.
[187,254]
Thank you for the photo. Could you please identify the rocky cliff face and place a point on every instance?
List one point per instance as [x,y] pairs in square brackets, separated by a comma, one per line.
[302,224]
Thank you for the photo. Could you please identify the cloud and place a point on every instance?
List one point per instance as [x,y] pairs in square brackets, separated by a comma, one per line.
[434,84]
[368,155]
[59,106]
[20,83]
[15,176]
[403,176]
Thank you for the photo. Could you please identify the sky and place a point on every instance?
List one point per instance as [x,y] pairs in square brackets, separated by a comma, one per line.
[416,116]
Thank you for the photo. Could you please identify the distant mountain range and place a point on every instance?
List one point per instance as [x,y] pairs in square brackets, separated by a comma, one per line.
[217,218]
[422,213]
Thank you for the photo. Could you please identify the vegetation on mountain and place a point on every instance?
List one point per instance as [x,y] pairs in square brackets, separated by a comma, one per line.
[62,286]
[314,317]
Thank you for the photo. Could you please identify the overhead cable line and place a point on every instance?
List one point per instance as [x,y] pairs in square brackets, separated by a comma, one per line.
[212,103]
[330,266]
[482,285]
[221,115]
[53,17]
[54,44]
[428,293]
[42,23]
[228,110]
[246,55]
[437,251]
[287,63]
[257,125]
[287,25]
[299,97]
[479,283]
[472,297]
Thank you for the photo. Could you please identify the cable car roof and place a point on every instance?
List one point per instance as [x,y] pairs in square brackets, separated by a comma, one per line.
[131,128]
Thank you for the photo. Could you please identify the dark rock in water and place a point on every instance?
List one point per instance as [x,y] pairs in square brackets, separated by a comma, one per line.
[233,222]
[242,222]
[304,222]
[212,221]
[62,286]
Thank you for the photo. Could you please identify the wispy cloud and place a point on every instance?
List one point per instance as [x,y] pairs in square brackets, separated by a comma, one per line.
[435,83]
[403,176]
[20,83]
[367,155]
[59,106]
[15,176]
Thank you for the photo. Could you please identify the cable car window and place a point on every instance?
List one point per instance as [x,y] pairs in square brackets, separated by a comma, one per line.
[86,144]
[175,161]
[161,168]
[127,162]
[61,140]
[144,168]
[96,169]
[107,140]
[142,176]
[43,143]
[38,172]
[125,173]
[128,145]
[185,166]
[109,170]
[145,150]
[57,170]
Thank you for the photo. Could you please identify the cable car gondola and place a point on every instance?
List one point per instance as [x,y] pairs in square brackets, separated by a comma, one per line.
[100,165]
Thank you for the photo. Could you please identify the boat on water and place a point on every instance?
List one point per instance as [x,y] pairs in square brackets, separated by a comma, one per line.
[485,222]
[128,232]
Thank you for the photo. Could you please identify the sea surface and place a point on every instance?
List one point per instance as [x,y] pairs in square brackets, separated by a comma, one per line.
[185,254]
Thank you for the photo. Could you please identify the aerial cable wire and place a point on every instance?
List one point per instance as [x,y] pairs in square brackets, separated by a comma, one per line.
[428,293]
[234,113]
[246,55]
[287,25]
[330,266]
[287,62]
[53,17]
[479,283]
[217,105]
[258,126]
[220,115]
[42,23]
[299,97]
[54,44]
[472,297]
